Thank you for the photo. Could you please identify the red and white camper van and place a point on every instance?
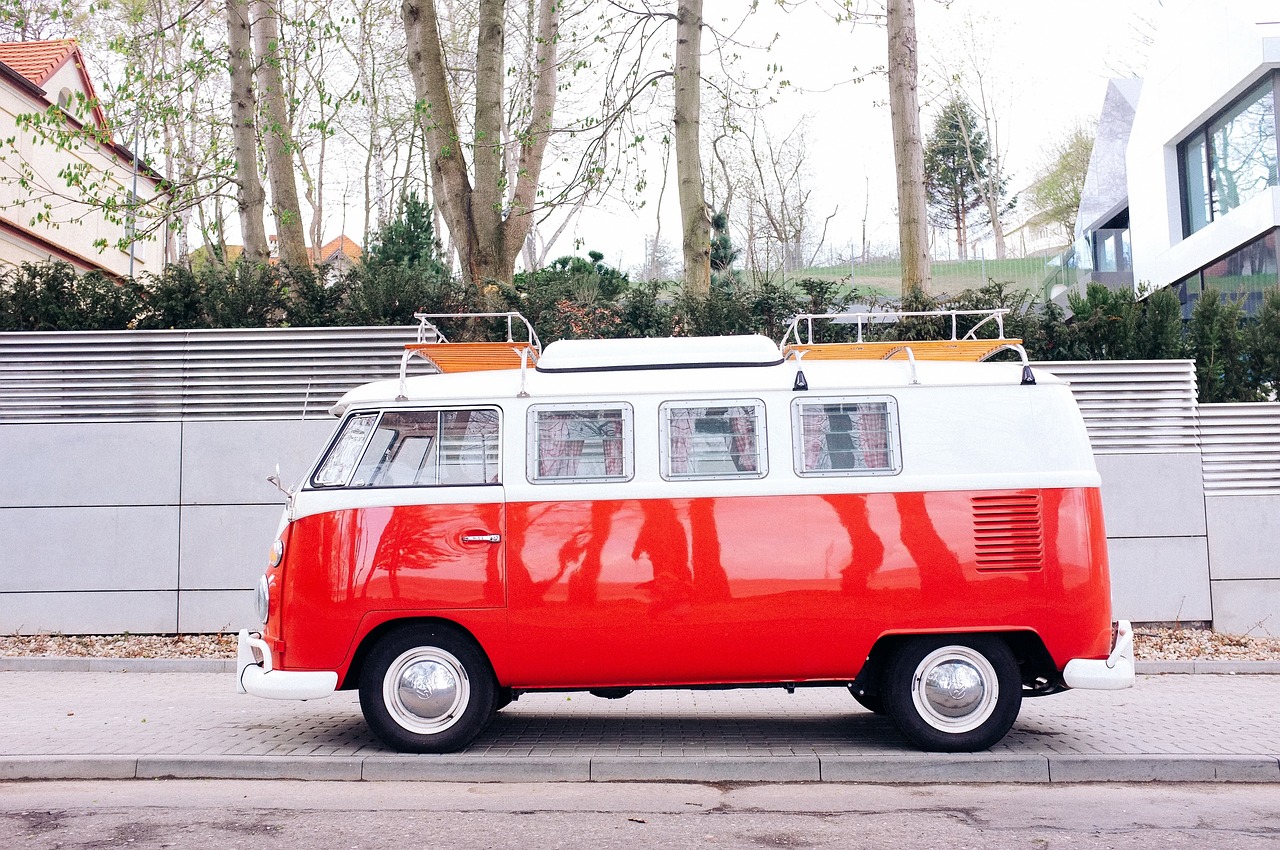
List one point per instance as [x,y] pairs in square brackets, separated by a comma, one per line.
[695,513]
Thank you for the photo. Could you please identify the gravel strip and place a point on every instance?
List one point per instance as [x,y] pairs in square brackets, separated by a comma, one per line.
[1150,644]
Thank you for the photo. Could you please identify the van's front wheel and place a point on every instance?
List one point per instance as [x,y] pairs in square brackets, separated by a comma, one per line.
[427,689]
[953,694]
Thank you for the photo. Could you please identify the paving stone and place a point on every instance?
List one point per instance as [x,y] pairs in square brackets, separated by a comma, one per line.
[100,724]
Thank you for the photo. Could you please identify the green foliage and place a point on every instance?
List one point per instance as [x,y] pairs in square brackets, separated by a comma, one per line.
[1105,323]
[573,298]
[1216,339]
[391,294]
[1264,346]
[407,240]
[952,180]
[723,254]
[1055,194]
[52,297]
[643,313]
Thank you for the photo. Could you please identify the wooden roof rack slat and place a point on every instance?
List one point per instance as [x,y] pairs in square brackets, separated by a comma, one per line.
[968,350]
[473,356]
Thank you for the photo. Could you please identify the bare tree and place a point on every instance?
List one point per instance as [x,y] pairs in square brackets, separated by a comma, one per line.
[695,223]
[488,227]
[277,137]
[251,198]
[908,152]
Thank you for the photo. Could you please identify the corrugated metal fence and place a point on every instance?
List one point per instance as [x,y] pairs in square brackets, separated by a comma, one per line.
[272,373]
[1129,407]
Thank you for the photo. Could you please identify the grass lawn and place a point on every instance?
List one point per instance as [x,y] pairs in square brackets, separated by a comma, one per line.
[949,277]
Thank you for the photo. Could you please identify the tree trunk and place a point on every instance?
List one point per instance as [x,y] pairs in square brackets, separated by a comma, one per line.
[277,138]
[908,153]
[696,225]
[487,232]
[250,199]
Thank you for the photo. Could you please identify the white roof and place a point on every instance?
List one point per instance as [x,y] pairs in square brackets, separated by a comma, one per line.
[620,368]
[594,355]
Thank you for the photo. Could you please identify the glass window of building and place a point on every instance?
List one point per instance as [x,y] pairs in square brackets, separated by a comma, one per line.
[1195,183]
[1246,273]
[1231,159]
[1242,147]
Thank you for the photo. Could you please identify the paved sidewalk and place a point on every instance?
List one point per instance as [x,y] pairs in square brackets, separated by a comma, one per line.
[71,725]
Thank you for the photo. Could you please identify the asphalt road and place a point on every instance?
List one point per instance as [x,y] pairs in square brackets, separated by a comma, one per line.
[264,815]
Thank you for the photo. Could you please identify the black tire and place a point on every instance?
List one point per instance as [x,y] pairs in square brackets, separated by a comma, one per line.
[427,689]
[502,698]
[954,693]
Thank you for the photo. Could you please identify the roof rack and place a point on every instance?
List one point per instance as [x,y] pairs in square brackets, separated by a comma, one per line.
[968,348]
[447,357]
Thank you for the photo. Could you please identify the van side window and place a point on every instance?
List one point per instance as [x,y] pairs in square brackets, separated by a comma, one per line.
[846,436]
[341,460]
[573,443]
[721,439]
[417,448]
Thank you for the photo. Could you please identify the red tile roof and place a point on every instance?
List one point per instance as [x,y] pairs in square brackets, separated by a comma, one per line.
[338,245]
[37,60]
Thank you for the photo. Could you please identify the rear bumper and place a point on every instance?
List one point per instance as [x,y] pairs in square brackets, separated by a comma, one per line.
[1110,674]
[256,676]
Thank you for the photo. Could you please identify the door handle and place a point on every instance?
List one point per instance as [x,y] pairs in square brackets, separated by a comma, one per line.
[482,538]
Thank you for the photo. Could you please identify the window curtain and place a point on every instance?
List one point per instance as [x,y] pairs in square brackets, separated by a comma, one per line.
[742,423]
[873,430]
[813,427]
[611,432]
[557,454]
[681,428]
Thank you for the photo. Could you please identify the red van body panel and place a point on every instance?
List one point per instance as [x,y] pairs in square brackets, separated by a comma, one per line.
[716,590]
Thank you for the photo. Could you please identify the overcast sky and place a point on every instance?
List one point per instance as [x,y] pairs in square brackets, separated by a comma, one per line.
[1048,67]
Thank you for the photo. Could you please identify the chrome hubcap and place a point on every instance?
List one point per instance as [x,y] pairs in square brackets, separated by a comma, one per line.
[426,690]
[955,689]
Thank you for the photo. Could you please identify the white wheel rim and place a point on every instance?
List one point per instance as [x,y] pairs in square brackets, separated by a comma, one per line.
[955,689]
[426,690]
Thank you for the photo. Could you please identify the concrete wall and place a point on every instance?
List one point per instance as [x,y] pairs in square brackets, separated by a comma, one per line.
[1244,563]
[141,526]
[1157,537]
[165,527]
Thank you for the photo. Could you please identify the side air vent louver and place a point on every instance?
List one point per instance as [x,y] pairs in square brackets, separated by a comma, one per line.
[1008,532]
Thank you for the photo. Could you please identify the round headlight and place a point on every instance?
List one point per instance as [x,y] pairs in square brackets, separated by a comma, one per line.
[262,599]
[277,552]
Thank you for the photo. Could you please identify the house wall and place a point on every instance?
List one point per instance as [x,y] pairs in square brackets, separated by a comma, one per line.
[74,225]
[1206,54]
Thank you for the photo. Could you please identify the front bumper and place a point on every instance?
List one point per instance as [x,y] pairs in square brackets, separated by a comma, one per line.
[1110,674]
[256,676]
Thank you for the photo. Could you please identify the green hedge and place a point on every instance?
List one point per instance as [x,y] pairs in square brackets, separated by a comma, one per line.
[1237,359]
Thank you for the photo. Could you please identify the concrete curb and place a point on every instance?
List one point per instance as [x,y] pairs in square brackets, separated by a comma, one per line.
[908,768]
[65,664]
[1220,668]
[61,664]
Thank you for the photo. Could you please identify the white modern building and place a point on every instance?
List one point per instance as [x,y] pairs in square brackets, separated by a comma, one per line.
[1183,188]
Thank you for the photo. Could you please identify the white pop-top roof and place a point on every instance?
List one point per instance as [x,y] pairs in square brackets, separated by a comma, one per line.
[597,355]
[733,366]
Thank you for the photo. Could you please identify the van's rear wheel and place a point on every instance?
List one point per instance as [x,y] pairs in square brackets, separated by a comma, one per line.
[953,694]
[427,689]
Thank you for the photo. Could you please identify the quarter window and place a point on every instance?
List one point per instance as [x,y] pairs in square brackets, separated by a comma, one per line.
[721,439]
[415,448]
[572,443]
[846,436]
